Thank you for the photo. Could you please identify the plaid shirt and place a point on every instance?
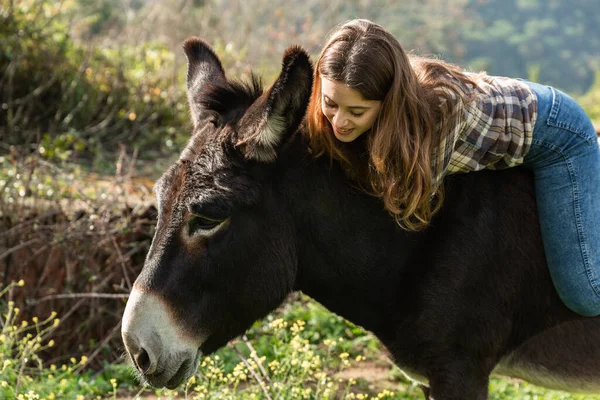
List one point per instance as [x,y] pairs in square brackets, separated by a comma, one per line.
[493,131]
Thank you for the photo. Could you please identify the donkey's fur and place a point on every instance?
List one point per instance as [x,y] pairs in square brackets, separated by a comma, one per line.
[247,215]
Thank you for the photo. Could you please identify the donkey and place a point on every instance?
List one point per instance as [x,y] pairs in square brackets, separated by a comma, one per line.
[247,215]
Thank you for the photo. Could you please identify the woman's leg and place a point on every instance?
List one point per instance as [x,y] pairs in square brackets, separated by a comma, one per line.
[565,158]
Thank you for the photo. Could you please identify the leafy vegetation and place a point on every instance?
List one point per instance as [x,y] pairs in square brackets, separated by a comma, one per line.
[591,101]
[65,100]
[299,352]
[80,78]
[22,373]
[556,42]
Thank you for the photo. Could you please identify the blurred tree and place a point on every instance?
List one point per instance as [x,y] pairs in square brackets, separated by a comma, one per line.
[556,38]
[98,17]
[256,32]
[59,98]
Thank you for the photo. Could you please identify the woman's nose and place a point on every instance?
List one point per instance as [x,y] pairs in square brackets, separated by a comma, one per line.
[339,120]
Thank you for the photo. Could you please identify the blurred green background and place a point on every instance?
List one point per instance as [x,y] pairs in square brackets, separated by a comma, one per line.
[82,76]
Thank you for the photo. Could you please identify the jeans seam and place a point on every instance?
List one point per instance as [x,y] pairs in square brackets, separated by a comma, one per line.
[576,202]
[578,132]
[553,115]
[555,105]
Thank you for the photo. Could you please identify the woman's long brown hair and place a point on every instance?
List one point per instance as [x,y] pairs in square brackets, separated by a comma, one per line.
[418,98]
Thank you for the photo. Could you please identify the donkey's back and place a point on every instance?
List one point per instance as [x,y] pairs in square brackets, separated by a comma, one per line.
[487,246]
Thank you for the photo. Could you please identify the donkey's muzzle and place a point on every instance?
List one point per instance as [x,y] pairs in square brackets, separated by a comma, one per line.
[158,346]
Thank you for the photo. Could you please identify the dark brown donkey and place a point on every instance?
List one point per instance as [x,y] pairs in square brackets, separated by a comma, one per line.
[247,215]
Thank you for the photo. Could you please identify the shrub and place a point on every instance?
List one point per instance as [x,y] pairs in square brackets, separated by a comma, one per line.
[62,98]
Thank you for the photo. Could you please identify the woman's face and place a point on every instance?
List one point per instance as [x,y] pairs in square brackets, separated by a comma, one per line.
[347,110]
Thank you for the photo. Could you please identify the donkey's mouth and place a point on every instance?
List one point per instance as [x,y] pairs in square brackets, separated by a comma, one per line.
[185,371]
[166,377]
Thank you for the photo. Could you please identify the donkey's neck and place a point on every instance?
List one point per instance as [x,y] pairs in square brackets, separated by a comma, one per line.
[351,253]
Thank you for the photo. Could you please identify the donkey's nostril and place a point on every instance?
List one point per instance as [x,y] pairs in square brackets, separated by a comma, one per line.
[142,359]
[140,356]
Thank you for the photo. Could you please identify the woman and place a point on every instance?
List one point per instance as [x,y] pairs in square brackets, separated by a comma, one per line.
[399,123]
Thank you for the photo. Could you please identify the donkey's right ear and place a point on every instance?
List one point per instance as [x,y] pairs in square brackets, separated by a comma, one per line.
[204,67]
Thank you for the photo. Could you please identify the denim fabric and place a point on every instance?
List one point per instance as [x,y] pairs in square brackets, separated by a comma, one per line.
[565,159]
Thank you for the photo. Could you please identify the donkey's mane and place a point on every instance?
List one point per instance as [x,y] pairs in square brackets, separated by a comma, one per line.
[226,101]
[224,97]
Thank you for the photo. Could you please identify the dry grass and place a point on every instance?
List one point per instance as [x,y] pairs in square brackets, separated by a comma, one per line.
[78,251]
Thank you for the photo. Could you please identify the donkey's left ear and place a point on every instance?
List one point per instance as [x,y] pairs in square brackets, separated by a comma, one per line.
[284,108]
[204,68]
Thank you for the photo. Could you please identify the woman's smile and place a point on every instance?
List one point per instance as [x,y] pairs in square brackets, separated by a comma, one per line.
[346,131]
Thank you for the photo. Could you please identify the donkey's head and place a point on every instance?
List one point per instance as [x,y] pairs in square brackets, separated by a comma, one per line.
[224,252]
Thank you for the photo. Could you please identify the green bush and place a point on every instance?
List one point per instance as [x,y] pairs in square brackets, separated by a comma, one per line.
[23,374]
[65,99]
[591,100]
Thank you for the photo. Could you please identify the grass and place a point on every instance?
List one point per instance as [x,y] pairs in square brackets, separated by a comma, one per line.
[301,351]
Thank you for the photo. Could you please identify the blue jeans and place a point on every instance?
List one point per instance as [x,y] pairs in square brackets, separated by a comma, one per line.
[565,159]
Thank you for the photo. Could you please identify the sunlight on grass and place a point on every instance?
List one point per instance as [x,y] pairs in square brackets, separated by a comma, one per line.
[301,351]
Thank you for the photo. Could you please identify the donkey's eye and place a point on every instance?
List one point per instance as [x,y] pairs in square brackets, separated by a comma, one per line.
[199,224]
